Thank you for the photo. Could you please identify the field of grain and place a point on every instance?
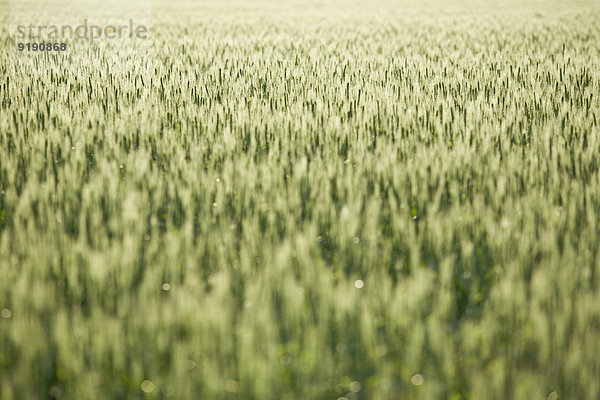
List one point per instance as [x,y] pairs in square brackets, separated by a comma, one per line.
[322,200]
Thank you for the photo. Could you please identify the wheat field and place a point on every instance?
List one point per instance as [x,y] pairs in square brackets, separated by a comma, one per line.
[323,200]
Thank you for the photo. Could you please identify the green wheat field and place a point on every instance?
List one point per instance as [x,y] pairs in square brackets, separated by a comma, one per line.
[305,200]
